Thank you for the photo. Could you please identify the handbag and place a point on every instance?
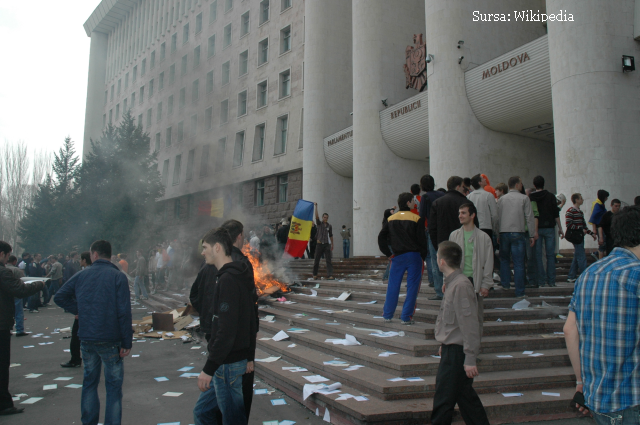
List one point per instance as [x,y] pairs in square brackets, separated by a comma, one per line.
[575,236]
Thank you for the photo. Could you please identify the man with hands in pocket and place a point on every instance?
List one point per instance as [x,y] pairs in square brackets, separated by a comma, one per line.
[458,330]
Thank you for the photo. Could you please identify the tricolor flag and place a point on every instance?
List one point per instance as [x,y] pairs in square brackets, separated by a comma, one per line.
[300,230]
[213,208]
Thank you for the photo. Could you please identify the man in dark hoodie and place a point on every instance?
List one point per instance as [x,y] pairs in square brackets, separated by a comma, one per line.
[428,185]
[548,218]
[233,328]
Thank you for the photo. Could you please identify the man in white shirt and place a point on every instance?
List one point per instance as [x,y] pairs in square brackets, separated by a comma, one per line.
[486,205]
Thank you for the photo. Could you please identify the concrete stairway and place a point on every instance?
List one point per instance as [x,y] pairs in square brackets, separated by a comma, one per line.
[503,366]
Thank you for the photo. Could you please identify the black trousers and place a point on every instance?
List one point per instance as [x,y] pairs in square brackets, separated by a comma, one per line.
[454,387]
[496,258]
[5,360]
[323,248]
[74,345]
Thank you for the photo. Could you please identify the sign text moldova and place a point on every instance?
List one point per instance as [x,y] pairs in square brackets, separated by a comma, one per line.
[505,65]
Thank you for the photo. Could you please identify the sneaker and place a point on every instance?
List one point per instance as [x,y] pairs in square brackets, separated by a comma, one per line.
[435,298]
[388,320]
[531,285]
[496,276]
[408,322]
[11,411]
[45,305]
[34,311]
[22,334]
[571,280]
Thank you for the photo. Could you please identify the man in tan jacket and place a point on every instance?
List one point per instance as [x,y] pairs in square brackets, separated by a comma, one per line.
[458,331]
[477,251]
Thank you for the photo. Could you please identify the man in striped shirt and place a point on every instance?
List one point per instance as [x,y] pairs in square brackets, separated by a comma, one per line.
[602,330]
[575,221]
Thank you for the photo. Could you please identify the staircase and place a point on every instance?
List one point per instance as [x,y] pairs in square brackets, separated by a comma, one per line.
[503,366]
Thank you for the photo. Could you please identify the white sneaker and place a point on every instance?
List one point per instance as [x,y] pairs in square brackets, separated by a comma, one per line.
[496,277]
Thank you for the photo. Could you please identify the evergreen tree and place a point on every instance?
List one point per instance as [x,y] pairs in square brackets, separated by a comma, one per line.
[37,228]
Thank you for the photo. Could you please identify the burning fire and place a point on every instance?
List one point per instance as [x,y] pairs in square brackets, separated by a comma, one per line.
[266,284]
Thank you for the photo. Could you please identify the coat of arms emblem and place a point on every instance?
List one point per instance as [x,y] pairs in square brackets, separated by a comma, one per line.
[415,68]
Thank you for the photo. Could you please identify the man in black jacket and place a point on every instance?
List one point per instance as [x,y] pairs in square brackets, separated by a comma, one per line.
[233,330]
[443,219]
[10,288]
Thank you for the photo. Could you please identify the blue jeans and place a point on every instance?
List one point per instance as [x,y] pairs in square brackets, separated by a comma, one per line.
[52,287]
[628,416]
[579,263]
[346,244]
[547,237]
[428,258]
[225,393]
[19,316]
[94,355]
[531,262]
[438,277]
[139,289]
[512,244]
[409,262]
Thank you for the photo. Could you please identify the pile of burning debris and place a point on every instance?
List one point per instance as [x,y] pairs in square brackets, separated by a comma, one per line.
[268,282]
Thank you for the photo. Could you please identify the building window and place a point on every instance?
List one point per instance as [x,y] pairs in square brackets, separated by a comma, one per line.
[211,47]
[161,81]
[151,83]
[159,112]
[135,73]
[238,149]
[172,73]
[224,111]
[174,42]
[163,51]
[222,148]
[194,126]
[152,63]
[262,94]
[285,5]
[167,141]
[196,57]
[259,193]
[149,114]
[285,39]
[228,5]
[119,85]
[226,41]
[263,51]
[176,203]
[110,116]
[213,11]
[183,97]
[170,105]
[191,206]
[264,11]
[283,186]
[243,61]
[126,80]
[165,172]
[133,99]
[185,34]
[285,83]
[141,95]
[157,146]
[209,81]
[143,67]
[198,23]
[242,103]
[124,105]
[258,143]
[195,91]
[106,97]
[112,92]
[190,159]
[226,72]
[244,24]
[281,137]
[117,111]
[140,120]
[208,118]
[204,161]
[183,67]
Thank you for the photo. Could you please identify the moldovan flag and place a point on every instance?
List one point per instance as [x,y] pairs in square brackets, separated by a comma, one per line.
[300,230]
[213,208]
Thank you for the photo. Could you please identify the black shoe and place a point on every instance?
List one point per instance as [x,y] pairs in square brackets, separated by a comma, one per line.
[70,364]
[34,311]
[431,285]
[22,334]
[531,285]
[436,298]
[11,411]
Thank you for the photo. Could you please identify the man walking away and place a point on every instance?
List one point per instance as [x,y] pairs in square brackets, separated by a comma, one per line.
[141,272]
[99,296]
[598,209]
[485,204]
[457,330]
[55,276]
[427,184]
[548,218]
[576,229]
[325,244]
[71,267]
[601,330]
[404,231]
[415,191]
[231,339]
[604,228]
[477,249]
[74,344]
[514,210]
[12,264]
[443,220]
[11,288]
[346,240]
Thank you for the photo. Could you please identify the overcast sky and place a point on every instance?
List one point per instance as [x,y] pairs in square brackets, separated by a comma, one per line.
[43,76]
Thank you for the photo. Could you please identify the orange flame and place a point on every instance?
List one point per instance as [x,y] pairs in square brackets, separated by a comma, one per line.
[266,284]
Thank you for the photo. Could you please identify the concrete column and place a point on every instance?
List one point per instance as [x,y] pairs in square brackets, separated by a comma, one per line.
[458,143]
[596,109]
[95,90]
[327,107]
[381,32]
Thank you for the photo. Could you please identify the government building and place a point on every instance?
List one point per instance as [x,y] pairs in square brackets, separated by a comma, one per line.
[252,105]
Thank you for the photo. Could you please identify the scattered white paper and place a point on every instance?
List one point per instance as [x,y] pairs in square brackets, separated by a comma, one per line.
[265,339]
[168,334]
[315,378]
[385,334]
[196,348]
[32,400]
[521,305]
[378,317]
[15,365]
[280,336]
[512,394]
[313,318]
[268,318]
[435,357]
[185,369]
[135,355]
[536,355]
[558,333]
[499,320]
[287,422]
[527,352]
[344,396]
[66,350]
[172,394]
[298,369]
[189,375]
[261,391]
[386,353]
[370,302]
[161,379]
[507,356]
[309,389]
[64,378]
[33,375]
[361,398]
[415,379]
[349,340]
[268,359]
[278,402]
[551,394]
[396,379]
[50,387]
[354,367]
[518,323]
[28,346]
[73,386]
[327,416]
[291,346]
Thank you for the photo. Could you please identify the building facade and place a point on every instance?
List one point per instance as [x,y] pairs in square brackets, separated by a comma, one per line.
[509,87]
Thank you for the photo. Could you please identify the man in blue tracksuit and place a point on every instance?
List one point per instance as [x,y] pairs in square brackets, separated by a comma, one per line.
[404,232]
[99,296]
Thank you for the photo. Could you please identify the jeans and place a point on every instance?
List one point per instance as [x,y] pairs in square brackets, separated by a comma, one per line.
[547,237]
[579,263]
[428,258]
[512,244]
[52,287]
[409,262]
[6,401]
[531,262]
[139,289]
[19,315]
[438,277]
[346,244]
[628,416]
[94,355]
[224,393]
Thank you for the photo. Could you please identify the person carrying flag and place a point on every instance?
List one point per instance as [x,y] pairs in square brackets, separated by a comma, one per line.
[325,244]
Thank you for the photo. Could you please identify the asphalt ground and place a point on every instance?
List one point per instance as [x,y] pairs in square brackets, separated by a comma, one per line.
[143,400]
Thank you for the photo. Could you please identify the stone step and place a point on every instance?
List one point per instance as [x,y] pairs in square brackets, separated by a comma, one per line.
[410,411]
